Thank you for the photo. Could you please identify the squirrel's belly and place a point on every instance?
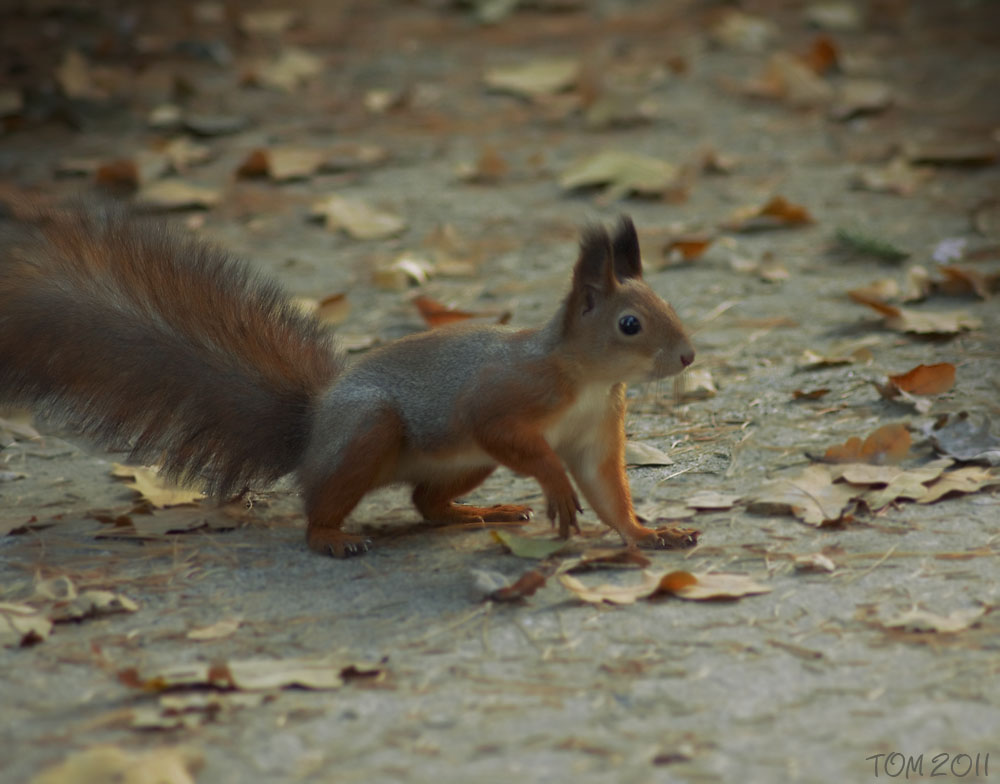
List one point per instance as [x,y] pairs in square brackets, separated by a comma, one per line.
[418,467]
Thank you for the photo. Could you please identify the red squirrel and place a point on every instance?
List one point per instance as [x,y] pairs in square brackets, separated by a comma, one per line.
[137,333]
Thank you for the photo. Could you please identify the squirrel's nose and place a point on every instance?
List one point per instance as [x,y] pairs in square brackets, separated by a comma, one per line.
[687,359]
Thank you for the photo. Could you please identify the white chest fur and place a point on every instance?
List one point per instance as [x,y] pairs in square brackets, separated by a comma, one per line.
[580,423]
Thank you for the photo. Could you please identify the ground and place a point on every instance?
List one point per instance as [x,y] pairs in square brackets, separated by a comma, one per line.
[808,682]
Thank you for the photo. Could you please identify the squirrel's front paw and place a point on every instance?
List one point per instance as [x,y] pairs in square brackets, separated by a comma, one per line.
[330,541]
[564,508]
[669,537]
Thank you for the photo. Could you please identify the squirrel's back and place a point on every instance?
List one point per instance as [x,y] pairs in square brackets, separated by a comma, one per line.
[139,334]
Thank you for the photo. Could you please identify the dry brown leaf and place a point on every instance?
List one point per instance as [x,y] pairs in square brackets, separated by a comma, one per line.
[22,625]
[146,480]
[216,631]
[534,78]
[499,589]
[710,585]
[695,384]
[613,594]
[822,55]
[899,484]
[710,499]
[812,394]
[104,764]
[249,674]
[778,213]
[288,70]
[929,323]
[917,620]
[490,167]
[176,194]
[638,453]
[970,479]
[814,562]
[788,78]
[436,314]
[860,96]
[897,177]
[267,21]
[140,524]
[622,172]
[743,32]
[810,495]
[881,290]
[357,218]
[333,309]
[889,444]
[687,248]
[839,354]
[962,280]
[926,379]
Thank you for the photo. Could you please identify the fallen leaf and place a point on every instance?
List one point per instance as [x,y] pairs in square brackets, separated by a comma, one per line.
[90,604]
[909,484]
[534,78]
[743,32]
[695,384]
[283,163]
[143,525]
[75,77]
[499,589]
[840,16]
[288,70]
[882,290]
[22,625]
[710,499]
[929,323]
[778,213]
[888,444]
[103,764]
[814,562]
[612,594]
[267,21]
[403,271]
[967,438]
[146,480]
[216,631]
[840,354]
[789,78]
[861,243]
[623,173]
[897,177]
[527,546]
[917,620]
[333,309]
[917,285]
[357,218]
[956,151]
[639,453]
[856,97]
[176,194]
[970,479]
[215,124]
[926,379]
[248,674]
[812,394]
[710,585]
[822,55]
[436,314]
[489,168]
[194,710]
[687,248]
[810,495]
[962,280]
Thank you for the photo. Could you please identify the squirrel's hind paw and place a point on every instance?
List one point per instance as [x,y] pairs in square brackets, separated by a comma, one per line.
[336,543]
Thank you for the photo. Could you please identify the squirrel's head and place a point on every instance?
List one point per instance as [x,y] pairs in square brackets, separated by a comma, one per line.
[629,333]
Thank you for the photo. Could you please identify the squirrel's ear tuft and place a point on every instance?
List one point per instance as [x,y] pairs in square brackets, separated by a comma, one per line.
[628,262]
[594,273]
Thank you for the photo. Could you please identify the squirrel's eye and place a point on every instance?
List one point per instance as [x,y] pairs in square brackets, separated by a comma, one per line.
[629,325]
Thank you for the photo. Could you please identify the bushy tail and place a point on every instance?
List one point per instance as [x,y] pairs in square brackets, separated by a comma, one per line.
[137,334]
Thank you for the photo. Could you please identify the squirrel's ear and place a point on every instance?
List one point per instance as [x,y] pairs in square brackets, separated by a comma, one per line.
[594,274]
[628,263]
